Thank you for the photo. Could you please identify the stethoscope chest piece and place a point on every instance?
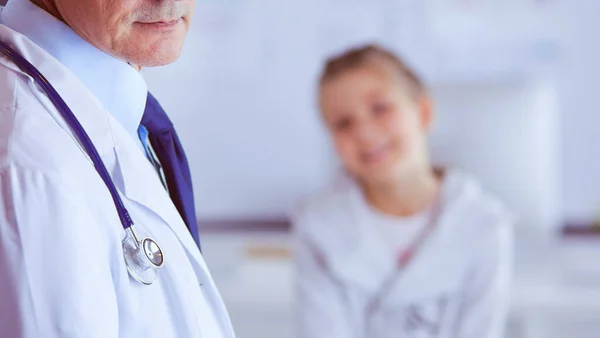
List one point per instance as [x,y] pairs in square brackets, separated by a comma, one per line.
[143,257]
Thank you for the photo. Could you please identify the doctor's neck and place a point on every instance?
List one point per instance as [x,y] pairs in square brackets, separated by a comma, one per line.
[406,195]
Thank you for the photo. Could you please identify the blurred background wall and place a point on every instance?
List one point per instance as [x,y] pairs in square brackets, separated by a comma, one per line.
[250,67]
[516,84]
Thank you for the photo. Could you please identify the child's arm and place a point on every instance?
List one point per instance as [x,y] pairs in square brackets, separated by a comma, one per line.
[321,309]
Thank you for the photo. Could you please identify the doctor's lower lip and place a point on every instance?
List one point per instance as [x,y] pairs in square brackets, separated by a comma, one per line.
[160,24]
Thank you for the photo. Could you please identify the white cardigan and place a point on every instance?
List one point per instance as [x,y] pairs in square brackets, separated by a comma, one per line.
[457,286]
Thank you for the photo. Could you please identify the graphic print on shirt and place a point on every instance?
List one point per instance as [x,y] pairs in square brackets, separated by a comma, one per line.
[424,319]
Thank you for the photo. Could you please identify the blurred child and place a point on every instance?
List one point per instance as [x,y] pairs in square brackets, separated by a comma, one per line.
[396,248]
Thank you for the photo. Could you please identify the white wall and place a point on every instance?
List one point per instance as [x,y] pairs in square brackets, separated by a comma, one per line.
[507,134]
[580,92]
[242,93]
[245,165]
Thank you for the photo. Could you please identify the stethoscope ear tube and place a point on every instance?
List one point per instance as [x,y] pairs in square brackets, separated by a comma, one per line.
[142,256]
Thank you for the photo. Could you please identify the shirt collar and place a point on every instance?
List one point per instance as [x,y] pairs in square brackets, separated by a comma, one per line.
[119,87]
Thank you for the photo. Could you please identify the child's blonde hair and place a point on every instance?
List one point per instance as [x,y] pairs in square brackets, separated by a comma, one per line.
[374,56]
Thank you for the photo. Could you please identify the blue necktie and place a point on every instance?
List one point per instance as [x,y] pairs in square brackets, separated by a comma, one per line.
[168,149]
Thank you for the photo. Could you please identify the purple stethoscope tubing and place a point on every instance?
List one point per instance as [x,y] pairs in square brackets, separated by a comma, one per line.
[70,118]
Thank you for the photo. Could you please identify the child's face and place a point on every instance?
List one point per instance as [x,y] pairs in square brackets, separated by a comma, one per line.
[378,130]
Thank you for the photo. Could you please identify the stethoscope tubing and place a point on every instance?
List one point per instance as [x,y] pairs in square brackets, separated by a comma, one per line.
[76,127]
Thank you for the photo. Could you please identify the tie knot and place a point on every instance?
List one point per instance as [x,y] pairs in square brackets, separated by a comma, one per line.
[155,119]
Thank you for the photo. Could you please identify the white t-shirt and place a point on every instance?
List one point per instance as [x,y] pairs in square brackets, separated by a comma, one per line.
[400,233]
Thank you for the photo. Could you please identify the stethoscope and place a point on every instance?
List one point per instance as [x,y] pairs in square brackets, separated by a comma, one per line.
[143,256]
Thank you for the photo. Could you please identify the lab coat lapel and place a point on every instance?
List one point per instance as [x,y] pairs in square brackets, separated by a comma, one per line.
[142,185]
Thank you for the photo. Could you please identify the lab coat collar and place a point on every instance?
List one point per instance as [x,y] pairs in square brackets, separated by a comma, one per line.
[84,105]
[118,86]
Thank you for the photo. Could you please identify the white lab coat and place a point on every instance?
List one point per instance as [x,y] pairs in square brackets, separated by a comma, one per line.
[62,272]
[458,282]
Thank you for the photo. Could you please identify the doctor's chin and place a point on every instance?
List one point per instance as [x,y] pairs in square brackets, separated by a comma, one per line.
[155,46]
